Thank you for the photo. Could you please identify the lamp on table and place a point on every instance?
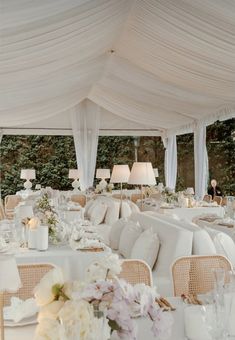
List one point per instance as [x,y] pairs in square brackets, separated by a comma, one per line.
[103,174]
[142,174]
[120,174]
[75,174]
[27,174]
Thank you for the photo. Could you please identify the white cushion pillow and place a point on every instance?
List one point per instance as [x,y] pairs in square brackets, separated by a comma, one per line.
[112,214]
[133,206]
[223,243]
[202,243]
[89,207]
[115,233]
[129,235]
[125,210]
[98,213]
[146,247]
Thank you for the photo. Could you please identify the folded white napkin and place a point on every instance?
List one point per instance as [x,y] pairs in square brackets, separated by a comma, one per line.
[20,309]
[85,243]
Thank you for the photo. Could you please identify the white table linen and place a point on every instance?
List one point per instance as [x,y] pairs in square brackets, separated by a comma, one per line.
[72,262]
[144,326]
[190,213]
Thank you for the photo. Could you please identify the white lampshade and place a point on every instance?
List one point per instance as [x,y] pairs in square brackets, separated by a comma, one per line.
[102,173]
[120,174]
[142,174]
[155,170]
[189,191]
[9,278]
[27,174]
[74,173]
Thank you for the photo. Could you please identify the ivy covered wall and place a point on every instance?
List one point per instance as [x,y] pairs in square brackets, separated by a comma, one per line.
[52,156]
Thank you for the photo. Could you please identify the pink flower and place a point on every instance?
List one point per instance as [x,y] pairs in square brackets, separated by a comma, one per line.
[97,290]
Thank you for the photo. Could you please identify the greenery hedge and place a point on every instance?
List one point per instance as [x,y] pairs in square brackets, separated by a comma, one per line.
[52,156]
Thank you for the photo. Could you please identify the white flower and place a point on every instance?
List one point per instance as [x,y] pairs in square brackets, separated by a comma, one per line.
[50,311]
[145,296]
[95,273]
[80,312]
[43,291]
[113,264]
[49,329]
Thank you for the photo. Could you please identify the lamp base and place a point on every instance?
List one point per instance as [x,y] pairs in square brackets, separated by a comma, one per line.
[27,184]
[76,185]
[103,184]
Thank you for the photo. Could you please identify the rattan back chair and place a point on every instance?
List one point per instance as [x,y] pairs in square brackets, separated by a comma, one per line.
[81,199]
[2,213]
[11,202]
[224,201]
[156,196]
[119,196]
[194,274]
[218,199]
[207,198]
[136,271]
[30,275]
[136,197]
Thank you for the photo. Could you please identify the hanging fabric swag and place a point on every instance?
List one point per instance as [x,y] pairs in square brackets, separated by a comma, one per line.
[85,124]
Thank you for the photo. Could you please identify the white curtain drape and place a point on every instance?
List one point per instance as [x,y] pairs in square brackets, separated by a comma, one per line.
[200,159]
[170,145]
[85,120]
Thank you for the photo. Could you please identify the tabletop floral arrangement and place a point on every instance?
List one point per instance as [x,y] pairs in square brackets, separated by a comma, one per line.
[93,309]
[47,215]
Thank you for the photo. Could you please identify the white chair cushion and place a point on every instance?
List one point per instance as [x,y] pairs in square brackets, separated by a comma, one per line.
[223,243]
[104,231]
[133,206]
[89,207]
[129,235]
[112,214]
[98,213]
[115,233]
[202,244]
[146,247]
[125,209]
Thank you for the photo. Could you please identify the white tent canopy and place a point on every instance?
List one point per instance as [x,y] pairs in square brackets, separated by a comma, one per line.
[158,67]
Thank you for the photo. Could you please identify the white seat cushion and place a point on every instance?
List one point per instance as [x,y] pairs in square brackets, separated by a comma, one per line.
[112,214]
[223,243]
[129,235]
[98,213]
[133,206]
[115,233]
[146,247]
[125,210]
[104,231]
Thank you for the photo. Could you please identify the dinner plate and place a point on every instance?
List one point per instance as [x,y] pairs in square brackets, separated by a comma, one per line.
[24,322]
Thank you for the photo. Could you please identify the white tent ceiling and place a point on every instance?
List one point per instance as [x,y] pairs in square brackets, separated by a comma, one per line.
[151,65]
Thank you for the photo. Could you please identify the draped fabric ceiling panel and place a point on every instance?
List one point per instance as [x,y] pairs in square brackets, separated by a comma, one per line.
[154,64]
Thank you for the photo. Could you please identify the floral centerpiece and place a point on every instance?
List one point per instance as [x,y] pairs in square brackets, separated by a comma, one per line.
[169,196]
[93,309]
[47,215]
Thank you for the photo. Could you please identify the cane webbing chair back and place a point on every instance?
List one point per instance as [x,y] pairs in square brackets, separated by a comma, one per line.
[218,199]
[30,275]
[207,198]
[2,213]
[81,199]
[136,197]
[119,196]
[136,271]
[194,274]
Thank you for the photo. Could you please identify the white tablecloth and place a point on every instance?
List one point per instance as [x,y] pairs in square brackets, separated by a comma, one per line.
[190,213]
[144,326]
[72,262]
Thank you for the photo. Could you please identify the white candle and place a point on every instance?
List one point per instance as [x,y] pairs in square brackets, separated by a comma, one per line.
[32,238]
[42,238]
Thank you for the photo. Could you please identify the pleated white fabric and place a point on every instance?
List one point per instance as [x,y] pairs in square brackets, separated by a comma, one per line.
[170,145]
[200,160]
[161,63]
[85,121]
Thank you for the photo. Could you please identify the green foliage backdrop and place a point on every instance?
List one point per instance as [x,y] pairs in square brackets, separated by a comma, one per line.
[52,156]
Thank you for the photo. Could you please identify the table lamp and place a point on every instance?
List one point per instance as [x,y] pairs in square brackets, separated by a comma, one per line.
[103,174]
[120,174]
[27,174]
[75,174]
[142,174]
[9,282]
